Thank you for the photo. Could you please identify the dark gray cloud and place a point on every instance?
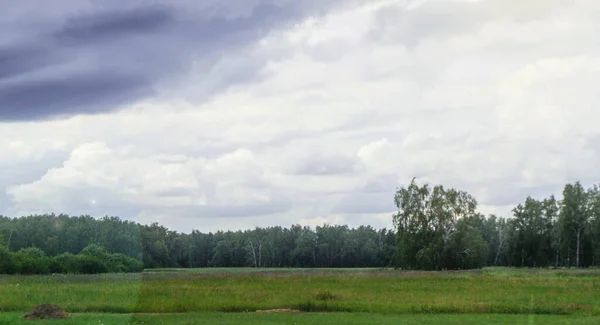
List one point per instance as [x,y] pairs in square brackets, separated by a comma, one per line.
[78,94]
[105,26]
[96,56]
[21,59]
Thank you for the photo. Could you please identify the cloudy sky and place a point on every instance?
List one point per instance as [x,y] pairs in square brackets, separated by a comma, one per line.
[230,114]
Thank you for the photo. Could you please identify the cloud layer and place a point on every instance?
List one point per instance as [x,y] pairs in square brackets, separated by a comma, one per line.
[248,114]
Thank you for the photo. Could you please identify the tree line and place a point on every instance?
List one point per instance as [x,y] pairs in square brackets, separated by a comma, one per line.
[434,229]
[157,246]
[440,228]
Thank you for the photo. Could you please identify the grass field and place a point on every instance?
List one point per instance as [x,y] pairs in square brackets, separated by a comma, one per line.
[231,296]
[307,318]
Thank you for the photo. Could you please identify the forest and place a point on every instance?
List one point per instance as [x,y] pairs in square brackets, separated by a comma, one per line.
[434,229]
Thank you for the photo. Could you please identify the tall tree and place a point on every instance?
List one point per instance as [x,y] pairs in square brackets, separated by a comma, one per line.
[426,224]
[574,221]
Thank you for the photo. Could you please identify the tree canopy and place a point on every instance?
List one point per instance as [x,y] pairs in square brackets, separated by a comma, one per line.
[440,228]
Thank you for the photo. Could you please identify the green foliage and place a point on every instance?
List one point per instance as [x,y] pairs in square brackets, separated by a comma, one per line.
[467,248]
[429,229]
[123,263]
[94,250]
[31,260]
[89,264]
[92,260]
[7,264]
[65,263]
[429,234]
[542,233]
[157,246]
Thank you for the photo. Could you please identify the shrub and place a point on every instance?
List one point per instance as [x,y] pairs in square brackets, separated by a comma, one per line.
[124,263]
[66,263]
[54,266]
[95,250]
[92,259]
[89,264]
[31,260]
[7,263]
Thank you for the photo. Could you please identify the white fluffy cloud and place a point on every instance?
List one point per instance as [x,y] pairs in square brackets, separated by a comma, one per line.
[495,97]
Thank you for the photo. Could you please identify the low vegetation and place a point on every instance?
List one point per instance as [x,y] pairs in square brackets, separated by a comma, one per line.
[92,259]
[308,318]
[487,291]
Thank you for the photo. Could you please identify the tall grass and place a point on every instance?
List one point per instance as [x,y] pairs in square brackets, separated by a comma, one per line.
[504,291]
[306,318]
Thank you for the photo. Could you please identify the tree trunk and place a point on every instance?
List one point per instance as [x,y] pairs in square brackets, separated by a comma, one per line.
[253,253]
[578,245]
[499,246]
[522,257]
[259,254]
[273,263]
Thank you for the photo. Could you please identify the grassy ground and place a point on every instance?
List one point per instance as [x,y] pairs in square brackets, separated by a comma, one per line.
[306,318]
[360,296]
[221,270]
[488,291]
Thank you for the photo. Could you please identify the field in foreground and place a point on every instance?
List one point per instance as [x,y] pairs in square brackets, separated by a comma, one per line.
[306,318]
[442,297]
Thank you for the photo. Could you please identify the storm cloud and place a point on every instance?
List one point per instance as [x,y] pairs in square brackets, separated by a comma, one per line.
[108,54]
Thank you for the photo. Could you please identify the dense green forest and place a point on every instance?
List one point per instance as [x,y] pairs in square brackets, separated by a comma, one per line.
[157,246]
[434,229]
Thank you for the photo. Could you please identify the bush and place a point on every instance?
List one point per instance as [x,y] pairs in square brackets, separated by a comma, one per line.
[88,264]
[95,250]
[123,263]
[7,263]
[33,252]
[54,266]
[92,260]
[66,263]
[31,260]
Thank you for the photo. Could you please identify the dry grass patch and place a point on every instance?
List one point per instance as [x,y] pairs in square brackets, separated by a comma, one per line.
[47,311]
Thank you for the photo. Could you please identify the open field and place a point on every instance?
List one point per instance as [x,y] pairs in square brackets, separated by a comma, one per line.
[381,296]
[307,318]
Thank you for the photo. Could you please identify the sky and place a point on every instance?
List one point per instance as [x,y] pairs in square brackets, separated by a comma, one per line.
[232,114]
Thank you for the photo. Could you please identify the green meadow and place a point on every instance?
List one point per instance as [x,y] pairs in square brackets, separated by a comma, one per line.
[323,296]
[306,318]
